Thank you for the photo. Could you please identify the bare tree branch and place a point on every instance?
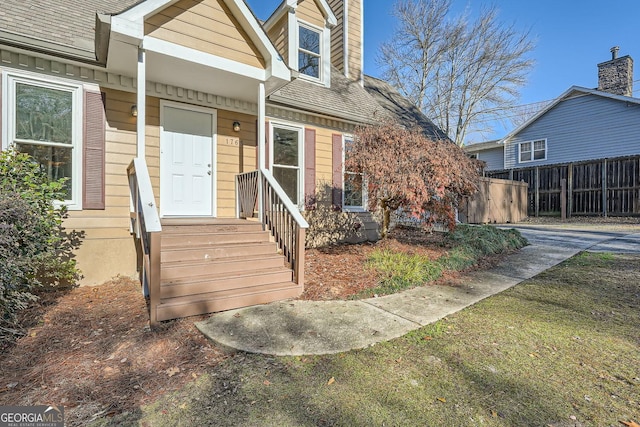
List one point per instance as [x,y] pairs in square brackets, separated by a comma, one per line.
[460,72]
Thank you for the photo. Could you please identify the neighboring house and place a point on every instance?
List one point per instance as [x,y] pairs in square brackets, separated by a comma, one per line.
[490,152]
[581,124]
[580,131]
[173,119]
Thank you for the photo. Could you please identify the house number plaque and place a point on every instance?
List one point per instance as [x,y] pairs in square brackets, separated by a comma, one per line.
[231,141]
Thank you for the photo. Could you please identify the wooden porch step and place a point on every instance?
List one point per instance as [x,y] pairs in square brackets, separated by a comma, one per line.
[222,282]
[230,250]
[188,225]
[226,300]
[210,265]
[189,238]
[194,269]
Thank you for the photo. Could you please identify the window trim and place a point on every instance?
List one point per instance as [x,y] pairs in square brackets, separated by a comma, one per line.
[321,55]
[365,199]
[532,151]
[272,142]
[10,79]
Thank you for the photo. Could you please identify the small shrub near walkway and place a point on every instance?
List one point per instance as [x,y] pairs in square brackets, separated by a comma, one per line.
[466,246]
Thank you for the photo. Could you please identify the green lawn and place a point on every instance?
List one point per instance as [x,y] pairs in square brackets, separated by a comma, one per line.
[561,349]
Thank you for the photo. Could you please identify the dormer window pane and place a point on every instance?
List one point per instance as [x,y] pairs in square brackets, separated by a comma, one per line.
[309,52]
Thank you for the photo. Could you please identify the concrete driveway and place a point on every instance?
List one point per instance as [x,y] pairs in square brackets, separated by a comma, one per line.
[616,238]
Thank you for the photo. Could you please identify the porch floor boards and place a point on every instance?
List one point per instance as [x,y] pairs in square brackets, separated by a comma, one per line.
[211,265]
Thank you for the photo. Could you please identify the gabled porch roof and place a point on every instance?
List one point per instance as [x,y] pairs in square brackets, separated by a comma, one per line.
[120,37]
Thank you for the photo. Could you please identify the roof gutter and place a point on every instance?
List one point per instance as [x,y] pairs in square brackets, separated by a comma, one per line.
[103,35]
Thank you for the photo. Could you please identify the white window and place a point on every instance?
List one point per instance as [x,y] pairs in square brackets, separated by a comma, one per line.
[533,150]
[44,121]
[287,160]
[355,191]
[309,51]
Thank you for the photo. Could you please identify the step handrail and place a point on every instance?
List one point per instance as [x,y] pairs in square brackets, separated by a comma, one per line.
[146,228]
[285,222]
[279,215]
[289,205]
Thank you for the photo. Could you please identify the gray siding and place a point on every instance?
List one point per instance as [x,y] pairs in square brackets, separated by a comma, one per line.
[581,128]
[494,158]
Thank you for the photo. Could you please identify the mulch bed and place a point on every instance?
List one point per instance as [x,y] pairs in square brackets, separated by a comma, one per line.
[339,272]
[91,350]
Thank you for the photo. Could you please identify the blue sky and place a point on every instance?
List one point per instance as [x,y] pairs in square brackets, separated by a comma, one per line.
[572,37]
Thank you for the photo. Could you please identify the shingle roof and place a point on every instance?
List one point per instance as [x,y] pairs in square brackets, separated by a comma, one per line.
[482,146]
[69,23]
[399,107]
[345,99]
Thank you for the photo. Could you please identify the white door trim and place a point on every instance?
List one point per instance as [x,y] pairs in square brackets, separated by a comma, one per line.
[214,148]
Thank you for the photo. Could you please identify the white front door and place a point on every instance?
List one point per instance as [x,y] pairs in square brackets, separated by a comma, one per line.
[187,160]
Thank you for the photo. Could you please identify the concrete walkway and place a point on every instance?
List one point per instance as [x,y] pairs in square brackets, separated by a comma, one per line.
[308,327]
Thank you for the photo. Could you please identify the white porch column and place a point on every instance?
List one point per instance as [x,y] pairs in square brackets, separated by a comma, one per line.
[261,145]
[141,103]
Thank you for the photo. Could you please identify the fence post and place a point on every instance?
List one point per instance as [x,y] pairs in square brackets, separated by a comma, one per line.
[563,199]
[569,190]
[537,191]
[604,187]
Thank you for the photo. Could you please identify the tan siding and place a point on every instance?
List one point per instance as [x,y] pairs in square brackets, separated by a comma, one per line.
[279,36]
[337,35]
[207,26]
[107,248]
[233,159]
[324,165]
[308,11]
[355,40]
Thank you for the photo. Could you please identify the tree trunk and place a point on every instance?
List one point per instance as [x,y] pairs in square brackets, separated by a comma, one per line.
[386,218]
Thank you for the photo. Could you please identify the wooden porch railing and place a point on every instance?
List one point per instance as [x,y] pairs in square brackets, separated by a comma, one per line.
[279,215]
[146,228]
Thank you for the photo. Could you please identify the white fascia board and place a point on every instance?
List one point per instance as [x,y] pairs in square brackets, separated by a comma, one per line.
[162,47]
[123,29]
[285,7]
[326,61]
[292,23]
[279,70]
[145,9]
[332,21]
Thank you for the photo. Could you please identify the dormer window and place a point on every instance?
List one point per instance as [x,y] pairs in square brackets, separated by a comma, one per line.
[309,51]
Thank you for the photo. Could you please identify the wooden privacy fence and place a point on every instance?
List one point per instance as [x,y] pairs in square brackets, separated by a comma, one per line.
[597,187]
[497,201]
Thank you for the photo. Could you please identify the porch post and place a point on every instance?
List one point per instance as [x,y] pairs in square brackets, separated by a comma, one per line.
[261,149]
[141,103]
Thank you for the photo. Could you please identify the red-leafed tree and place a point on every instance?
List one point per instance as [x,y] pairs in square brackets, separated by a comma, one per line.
[405,169]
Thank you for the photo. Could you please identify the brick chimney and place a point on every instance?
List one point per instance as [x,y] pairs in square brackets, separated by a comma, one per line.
[616,76]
